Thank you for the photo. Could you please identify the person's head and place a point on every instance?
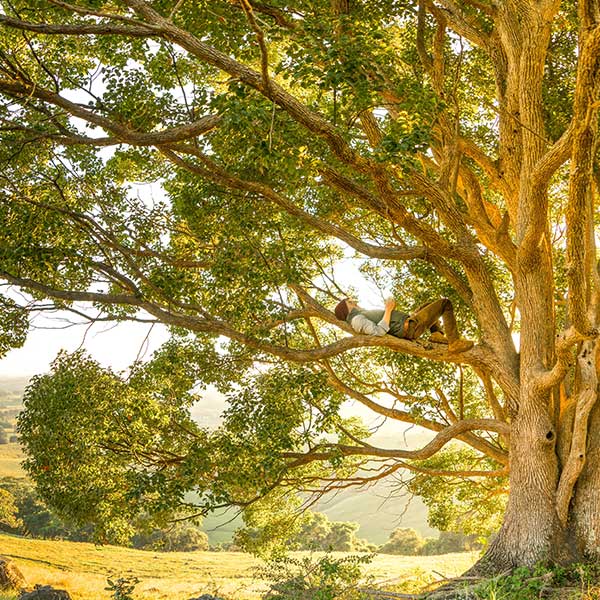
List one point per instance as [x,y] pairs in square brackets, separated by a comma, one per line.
[342,310]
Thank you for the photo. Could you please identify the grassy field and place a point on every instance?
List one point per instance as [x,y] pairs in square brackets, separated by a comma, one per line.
[11,456]
[83,568]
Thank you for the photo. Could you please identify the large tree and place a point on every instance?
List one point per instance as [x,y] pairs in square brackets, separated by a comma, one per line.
[451,146]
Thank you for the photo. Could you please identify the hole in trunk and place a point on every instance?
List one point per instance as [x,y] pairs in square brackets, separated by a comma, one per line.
[549,435]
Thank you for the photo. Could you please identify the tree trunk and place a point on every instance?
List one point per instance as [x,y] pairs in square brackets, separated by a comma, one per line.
[531,531]
[584,526]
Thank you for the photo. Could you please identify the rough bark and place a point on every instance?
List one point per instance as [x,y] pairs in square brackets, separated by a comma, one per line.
[585,514]
[531,529]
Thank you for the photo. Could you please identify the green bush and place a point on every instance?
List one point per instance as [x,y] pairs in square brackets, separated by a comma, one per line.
[122,588]
[451,541]
[325,578]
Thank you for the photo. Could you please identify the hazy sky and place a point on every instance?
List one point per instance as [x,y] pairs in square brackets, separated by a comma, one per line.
[115,347]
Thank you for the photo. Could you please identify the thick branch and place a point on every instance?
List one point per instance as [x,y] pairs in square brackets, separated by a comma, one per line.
[579,210]
[327,451]
[399,415]
[564,358]
[586,398]
[26,89]
[478,356]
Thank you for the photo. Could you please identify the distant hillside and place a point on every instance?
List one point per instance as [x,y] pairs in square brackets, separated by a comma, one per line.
[377,510]
[11,390]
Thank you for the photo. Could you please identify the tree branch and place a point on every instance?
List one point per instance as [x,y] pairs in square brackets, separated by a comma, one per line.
[78,29]
[215,173]
[27,89]
[438,442]
[586,399]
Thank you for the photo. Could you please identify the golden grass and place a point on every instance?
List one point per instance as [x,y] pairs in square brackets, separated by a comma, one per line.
[11,456]
[83,568]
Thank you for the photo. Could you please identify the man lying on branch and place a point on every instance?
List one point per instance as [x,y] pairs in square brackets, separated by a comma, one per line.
[403,325]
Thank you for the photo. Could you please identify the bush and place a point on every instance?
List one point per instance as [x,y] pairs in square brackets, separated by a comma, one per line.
[122,588]
[322,579]
[451,541]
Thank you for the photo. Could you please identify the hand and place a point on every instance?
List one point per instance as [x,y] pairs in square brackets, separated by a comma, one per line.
[390,303]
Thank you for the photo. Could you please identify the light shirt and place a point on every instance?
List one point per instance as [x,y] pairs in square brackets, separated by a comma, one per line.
[361,324]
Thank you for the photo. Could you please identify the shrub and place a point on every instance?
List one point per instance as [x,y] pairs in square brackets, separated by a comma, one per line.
[451,541]
[122,587]
[323,579]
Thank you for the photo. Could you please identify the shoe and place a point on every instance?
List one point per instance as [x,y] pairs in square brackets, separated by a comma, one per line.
[460,345]
[438,337]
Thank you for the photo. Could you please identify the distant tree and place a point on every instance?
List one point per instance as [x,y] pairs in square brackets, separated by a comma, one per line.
[312,531]
[14,439]
[315,531]
[3,437]
[34,518]
[450,541]
[405,541]
[182,537]
[319,533]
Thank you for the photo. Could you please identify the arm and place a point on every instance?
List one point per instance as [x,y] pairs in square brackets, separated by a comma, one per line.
[390,304]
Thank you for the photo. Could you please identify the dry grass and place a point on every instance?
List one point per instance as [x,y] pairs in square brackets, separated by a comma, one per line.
[11,456]
[83,568]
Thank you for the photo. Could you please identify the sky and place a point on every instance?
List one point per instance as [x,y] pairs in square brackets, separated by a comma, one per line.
[115,347]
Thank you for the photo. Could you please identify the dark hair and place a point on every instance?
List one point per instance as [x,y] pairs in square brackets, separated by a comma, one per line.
[341,310]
